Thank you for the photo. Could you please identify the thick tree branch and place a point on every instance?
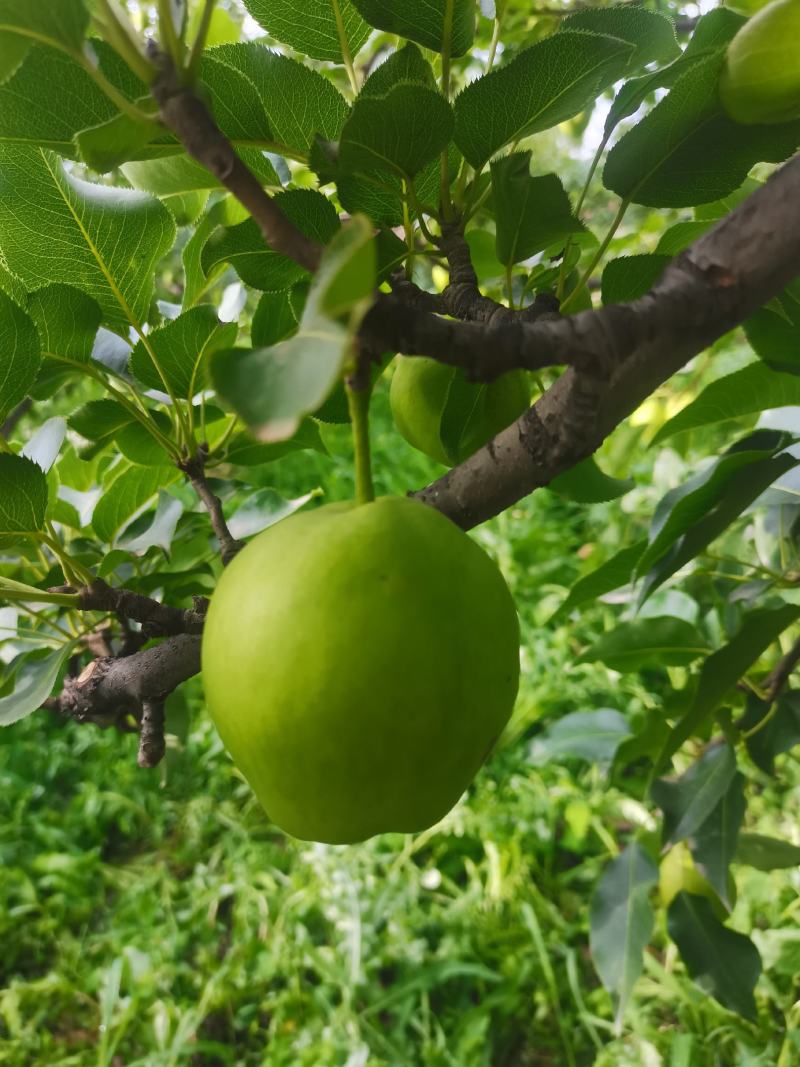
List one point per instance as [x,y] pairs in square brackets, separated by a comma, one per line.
[717,283]
[110,688]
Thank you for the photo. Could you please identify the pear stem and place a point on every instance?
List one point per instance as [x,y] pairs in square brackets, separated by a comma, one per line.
[358,403]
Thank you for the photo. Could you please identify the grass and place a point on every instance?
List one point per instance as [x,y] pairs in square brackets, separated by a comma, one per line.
[158,919]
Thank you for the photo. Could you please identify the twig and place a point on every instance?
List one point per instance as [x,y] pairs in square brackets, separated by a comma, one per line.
[22,409]
[157,620]
[776,680]
[184,113]
[194,469]
[152,744]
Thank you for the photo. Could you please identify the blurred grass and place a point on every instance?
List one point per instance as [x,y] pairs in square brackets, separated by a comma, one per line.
[158,919]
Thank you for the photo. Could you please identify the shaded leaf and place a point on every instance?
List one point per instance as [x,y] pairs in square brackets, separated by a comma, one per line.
[754,388]
[723,669]
[264,508]
[399,132]
[587,484]
[176,355]
[774,332]
[424,21]
[630,277]
[612,574]
[543,86]
[530,213]
[33,684]
[721,961]
[780,732]
[310,26]
[653,642]
[686,151]
[127,496]
[713,844]
[622,922]
[56,228]
[23,497]
[590,735]
[651,34]
[689,800]
[766,853]
[21,355]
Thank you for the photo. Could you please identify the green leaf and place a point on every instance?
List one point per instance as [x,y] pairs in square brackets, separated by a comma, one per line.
[530,213]
[722,670]
[780,732]
[774,333]
[614,573]
[399,132]
[622,922]
[543,86]
[127,497]
[681,508]
[713,844]
[176,356]
[21,355]
[106,146]
[244,248]
[311,27]
[138,445]
[689,800]
[725,507]
[264,508]
[686,151]
[652,35]
[99,419]
[178,175]
[56,228]
[752,389]
[225,212]
[298,102]
[243,451]
[630,277]
[23,497]
[680,236]
[766,853]
[424,21]
[589,735]
[407,64]
[32,114]
[61,25]
[277,316]
[273,388]
[67,321]
[33,684]
[660,641]
[723,962]
[587,484]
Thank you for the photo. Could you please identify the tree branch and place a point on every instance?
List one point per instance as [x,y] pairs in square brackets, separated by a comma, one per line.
[158,620]
[194,469]
[717,283]
[184,113]
[777,678]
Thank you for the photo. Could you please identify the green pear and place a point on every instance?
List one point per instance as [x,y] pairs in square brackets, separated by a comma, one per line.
[448,418]
[678,874]
[360,661]
[760,82]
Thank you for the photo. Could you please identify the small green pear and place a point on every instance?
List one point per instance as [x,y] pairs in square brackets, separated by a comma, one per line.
[760,82]
[448,418]
[360,661]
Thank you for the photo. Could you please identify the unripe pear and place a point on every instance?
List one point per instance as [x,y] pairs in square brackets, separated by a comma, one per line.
[360,661]
[419,394]
[760,82]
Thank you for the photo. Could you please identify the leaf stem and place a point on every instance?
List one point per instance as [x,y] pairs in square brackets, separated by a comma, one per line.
[562,274]
[598,254]
[447,34]
[347,59]
[199,43]
[119,33]
[170,38]
[358,405]
[10,590]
